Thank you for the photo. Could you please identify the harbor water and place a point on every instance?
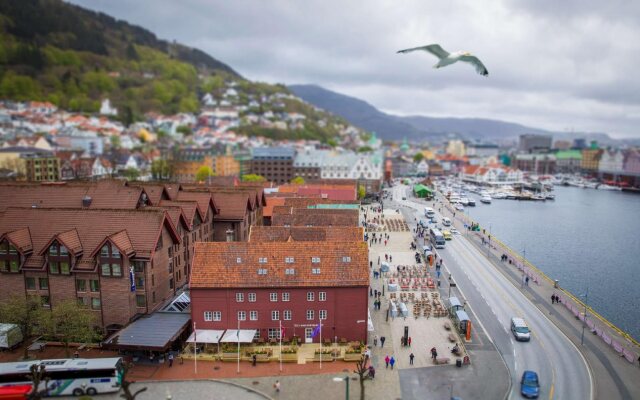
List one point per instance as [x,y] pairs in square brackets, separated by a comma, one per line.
[587,239]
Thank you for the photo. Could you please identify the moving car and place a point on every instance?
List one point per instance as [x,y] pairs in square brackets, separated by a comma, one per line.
[529,385]
[520,329]
[447,235]
[446,221]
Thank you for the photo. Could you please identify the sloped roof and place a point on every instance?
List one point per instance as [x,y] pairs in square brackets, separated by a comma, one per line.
[215,264]
[232,205]
[189,209]
[305,234]
[176,214]
[271,202]
[315,219]
[204,199]
[21,239]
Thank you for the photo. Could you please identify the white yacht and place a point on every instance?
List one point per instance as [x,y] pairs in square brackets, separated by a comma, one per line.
[608,187]
[471,203]
[486,199]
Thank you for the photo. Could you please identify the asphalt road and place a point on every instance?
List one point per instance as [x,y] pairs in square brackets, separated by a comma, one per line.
[494,300]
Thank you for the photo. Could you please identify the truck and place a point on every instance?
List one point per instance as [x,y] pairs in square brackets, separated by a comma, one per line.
[10,336]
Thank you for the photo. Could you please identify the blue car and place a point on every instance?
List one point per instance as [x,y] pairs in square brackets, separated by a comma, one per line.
[529,385]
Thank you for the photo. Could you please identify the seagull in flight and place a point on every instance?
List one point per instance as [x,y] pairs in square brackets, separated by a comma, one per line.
[447,58]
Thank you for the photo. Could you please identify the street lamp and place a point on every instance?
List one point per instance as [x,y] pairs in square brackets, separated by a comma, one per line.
[524,253]
[584,321]
[346,379]
[489,247]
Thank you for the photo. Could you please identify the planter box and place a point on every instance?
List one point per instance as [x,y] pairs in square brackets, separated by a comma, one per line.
[290,357]
[325,357]
[261,357]
[352,356]
[230,357]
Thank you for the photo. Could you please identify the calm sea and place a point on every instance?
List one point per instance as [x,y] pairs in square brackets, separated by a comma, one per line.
[587,239]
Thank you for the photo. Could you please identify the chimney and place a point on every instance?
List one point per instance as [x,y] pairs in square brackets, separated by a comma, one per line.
[86,201]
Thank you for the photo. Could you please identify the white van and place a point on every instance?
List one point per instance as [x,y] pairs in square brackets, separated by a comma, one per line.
[520,329]
[428,212]
[446,221]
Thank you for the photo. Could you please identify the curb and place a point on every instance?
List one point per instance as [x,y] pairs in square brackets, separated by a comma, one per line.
[259,393]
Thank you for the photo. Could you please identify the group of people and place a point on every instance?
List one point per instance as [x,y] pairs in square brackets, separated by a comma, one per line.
[555,299]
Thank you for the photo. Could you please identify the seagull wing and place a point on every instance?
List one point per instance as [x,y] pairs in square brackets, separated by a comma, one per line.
[434,49]
[480,68]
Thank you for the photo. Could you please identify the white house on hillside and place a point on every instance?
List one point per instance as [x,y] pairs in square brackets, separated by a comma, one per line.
[491,175]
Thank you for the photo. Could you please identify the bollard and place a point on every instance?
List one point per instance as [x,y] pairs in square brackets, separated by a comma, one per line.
[556,283]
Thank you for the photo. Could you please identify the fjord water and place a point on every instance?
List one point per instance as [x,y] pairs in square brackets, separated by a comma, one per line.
[585,238]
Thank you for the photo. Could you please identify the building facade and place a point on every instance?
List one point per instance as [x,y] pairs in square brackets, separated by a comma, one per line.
[533,143]
[273,163]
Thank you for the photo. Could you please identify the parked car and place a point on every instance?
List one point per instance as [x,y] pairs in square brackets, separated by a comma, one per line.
[530,385]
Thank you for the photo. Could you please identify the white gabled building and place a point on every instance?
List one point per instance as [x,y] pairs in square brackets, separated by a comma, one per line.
[493,175]
[611,161]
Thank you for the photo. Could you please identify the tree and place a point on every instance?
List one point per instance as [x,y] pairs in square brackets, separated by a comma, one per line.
[364,149]
[38,375]
[115,141]
[185,130]
[203,173]
[160,169]
[361,191]
[332,142]
[127,383]
[253,178]
[71,322]
[27,313]
[132,174]
[363,373]
[298,180]
[418,157]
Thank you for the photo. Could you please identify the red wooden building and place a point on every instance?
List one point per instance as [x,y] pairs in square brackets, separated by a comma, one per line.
[295,283]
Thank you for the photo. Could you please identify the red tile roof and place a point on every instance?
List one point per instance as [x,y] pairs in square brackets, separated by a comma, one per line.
[204,199]
[271,202]
[189,209]
[306,234]
[21,239]
[215,264]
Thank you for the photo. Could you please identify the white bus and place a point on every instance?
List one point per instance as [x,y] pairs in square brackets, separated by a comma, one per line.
[429,213]
[77,376]
[437,238]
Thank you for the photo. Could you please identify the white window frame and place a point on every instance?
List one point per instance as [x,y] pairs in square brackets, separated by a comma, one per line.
[289,260]
[253,315]
[274,333]
[311,296]
[239,297]
[346,259]
[322,314]
[275,315]
[310,315]
[315,260]
[217,315]
[273,296]
[242,315]
[262,271]
[251,297]
[322,296]
[238,260]
[290,271]
[286,315]
[308,333]
[208,316]
[315,271]
[286,296]
[262,260]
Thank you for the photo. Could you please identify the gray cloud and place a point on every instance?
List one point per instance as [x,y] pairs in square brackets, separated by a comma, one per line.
[554,65]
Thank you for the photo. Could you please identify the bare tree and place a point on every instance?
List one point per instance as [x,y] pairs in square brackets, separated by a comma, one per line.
[38,375]
[127,383]
[363,373]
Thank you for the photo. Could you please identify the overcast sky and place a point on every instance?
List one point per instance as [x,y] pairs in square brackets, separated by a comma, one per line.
[558,65]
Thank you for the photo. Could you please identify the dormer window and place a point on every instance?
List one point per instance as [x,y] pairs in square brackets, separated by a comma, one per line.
[59,260]
[315,271]
[262,260]
[239,260]
[346,259]
[110,261]
[9,258]
[315,260]
[262,271]
[289,271]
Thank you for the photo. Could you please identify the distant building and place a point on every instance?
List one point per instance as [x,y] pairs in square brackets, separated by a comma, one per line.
[30,163]
[456,148]
[611,162]
[273,163]
[491,175]
[562,145]
[106,109]
[531,143]
[482,150]
[568,161]
[591,160]
[537,163]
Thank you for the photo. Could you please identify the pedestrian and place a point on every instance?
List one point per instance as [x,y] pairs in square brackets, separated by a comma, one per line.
[553,298]
[375,294]
[170,360]
[392,361]
[254,360]
[526,281]
[411,359]
[378,260]
[390,258]
[409,341]
[372,372]
[434,353]
[181,359]
[375,340]
[386,362]
[276,386]
[382,339]
[370,264]
[370,291]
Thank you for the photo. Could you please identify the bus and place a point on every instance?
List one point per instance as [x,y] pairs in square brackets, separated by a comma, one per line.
[437,238]
[76,376]
[429,213]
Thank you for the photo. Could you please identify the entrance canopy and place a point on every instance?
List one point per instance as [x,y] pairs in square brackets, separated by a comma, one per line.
[205,336]
[156,332]
[242,336]
[462,315]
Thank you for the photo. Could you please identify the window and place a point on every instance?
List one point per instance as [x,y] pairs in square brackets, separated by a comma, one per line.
[239,297]
[139,282]
[310,296]
[54,267]
[262,260]
[138,266]
[94,285]
[253,315]
[287,315]
[275,315]
[289,260]
[217,315]
[252,297]
[141,300]
[285,296]
[262,271]
[274,333]
[323,314]
[239,260]
[242,315]
[273,296]
[315,271]
[322,296]
[83,301]
[208,316]
[43,283]
[315,260]
[308,333]
[95,303]
[290,271]
[309,315]
[110,261]
[171,283]
[30,283]
[46,301]
[346,259]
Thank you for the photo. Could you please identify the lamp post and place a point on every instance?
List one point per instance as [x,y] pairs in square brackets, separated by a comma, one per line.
[489,247]
[584,321]
[524,253]
[346,379]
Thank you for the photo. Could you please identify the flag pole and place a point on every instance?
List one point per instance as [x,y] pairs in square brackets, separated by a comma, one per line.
[195,349]
[320,321]
[280,321]
[238,336]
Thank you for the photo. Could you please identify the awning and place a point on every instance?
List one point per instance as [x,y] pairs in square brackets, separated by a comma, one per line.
[156,332]
[462,315]
[205,336]
[242,336]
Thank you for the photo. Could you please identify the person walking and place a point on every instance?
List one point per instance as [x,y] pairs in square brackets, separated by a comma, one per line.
[553,298]
[409,341]
[386,362]
[375,340]
[372,372]
[526,281]
[170,360]
[392,361]
[382,339]
[276,386]
[434,353]
[254,360]
[411,356]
